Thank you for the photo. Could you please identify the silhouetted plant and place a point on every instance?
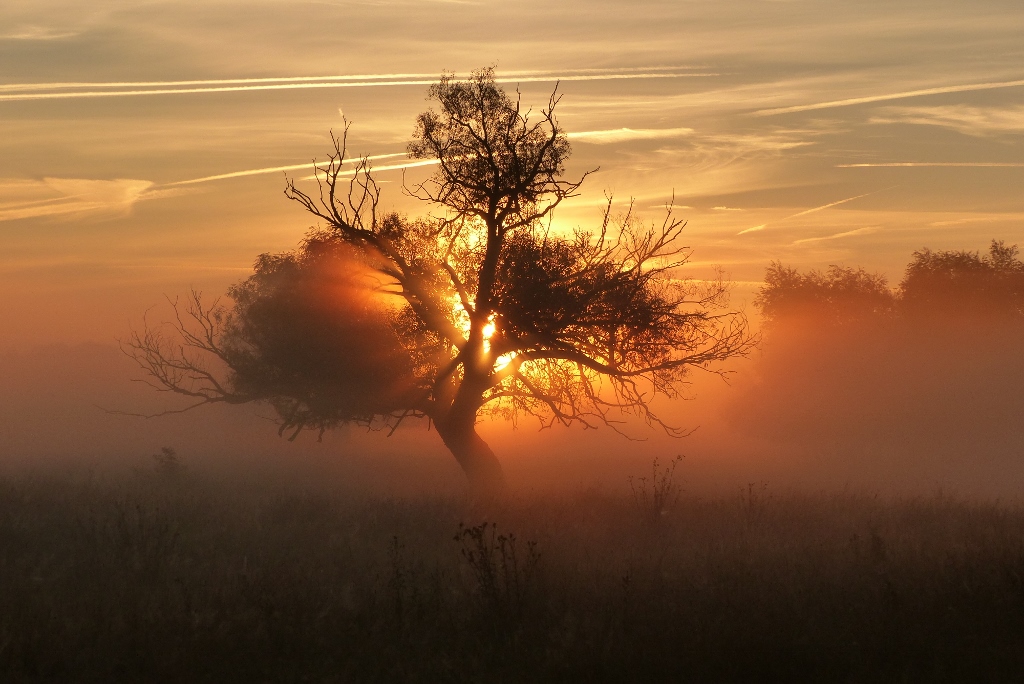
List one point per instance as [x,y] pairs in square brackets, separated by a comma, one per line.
[504,573]
[167,463]
[953,282]
[837,296]
[654,497]
[964,283]
[754,501]
[479,309]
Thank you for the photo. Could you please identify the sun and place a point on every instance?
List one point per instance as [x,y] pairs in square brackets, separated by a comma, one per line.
[490,328]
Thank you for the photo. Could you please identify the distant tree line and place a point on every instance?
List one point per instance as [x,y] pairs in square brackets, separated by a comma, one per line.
[935,287]
[931,366]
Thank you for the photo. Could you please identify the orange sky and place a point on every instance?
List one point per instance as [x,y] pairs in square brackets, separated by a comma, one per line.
[772,122]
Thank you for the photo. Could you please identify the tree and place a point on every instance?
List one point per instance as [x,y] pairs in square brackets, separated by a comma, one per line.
[479,309]
[839,296]
[937,287]
[964,283]
[932,366]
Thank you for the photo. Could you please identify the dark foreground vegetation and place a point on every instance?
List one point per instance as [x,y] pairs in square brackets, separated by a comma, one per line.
[164,576]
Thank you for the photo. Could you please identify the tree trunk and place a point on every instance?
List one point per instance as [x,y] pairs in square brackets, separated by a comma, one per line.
[482,468]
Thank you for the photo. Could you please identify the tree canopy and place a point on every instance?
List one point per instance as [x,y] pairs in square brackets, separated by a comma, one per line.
[476,308]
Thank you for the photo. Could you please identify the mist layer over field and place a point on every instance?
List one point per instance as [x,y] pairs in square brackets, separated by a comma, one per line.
[847,510]
[875,408]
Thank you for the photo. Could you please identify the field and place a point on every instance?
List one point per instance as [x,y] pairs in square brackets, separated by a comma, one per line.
[159,575]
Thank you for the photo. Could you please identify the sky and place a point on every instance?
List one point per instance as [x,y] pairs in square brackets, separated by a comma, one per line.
[142,142]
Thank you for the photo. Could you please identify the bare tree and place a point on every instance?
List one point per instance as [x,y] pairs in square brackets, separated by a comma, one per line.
[478,309]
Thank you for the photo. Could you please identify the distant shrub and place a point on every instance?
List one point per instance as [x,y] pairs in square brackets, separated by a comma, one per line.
[167,463]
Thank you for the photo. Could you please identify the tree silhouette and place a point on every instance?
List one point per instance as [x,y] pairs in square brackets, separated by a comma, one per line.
[937,287]
[476,309]
[964,283]
[838,296]
[930,367]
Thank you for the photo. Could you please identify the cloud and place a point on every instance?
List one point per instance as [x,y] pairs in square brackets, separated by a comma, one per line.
[617,135]
[975,121]
[746,143]
[74,196]
[37,33]
[890,96]
[962,221]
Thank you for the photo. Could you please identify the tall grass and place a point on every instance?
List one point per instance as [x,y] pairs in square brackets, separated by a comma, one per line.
[151,577]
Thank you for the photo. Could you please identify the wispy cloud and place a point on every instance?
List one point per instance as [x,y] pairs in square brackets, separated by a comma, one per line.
[804,213]
[37,33]
[859,231]
[976,121]
[617,135]
[977,219]
[76,196]
[890,96]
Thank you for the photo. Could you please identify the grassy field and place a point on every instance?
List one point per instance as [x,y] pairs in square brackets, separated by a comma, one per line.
[163,576]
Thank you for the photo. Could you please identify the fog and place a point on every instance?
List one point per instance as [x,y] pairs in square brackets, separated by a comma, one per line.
[876,409]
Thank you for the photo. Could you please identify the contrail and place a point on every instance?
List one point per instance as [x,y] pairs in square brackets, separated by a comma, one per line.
[16,97]
[806,211]
[978,165]
[301,79]
[390,167]
[858,231]
[890,96]
[275,169]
